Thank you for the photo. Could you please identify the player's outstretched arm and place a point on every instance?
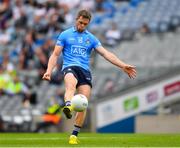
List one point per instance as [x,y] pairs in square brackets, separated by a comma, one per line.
[130,70]
[52,62]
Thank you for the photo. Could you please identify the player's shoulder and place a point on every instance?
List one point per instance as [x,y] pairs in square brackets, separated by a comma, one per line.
[67,31]
[91,35]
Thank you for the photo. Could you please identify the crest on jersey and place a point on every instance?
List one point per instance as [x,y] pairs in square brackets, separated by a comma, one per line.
[87,41]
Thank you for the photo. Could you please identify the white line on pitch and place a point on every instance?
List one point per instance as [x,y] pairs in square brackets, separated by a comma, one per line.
[55,138]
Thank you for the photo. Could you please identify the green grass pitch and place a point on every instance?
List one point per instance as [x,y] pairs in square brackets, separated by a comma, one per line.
[89,140]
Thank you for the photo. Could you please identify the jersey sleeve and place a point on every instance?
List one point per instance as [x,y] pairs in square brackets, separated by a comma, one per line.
[61,40]
[96,42]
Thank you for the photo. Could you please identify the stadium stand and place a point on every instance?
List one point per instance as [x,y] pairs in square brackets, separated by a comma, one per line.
[28,31]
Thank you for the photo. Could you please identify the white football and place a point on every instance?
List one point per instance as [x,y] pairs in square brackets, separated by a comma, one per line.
[79,103]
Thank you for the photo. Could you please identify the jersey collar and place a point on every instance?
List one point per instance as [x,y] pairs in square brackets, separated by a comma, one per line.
[74,30]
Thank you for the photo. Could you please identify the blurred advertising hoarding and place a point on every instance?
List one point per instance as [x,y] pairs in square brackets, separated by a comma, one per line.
[122,107]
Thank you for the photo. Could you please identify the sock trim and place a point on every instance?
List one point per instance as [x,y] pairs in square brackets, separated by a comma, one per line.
[68,103]
[77,126]
[76,130]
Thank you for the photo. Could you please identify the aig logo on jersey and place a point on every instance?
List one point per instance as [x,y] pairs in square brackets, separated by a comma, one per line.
[78,50]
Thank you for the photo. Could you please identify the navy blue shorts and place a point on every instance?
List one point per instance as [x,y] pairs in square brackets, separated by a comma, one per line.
[83,76]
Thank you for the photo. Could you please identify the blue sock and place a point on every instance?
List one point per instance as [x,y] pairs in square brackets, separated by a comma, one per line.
[76,130]
[68,103]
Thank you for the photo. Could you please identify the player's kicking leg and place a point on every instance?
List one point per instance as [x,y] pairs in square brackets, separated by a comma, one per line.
[70,88]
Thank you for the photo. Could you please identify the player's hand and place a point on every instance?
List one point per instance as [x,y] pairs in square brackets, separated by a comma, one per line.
[130,70]
[47,76]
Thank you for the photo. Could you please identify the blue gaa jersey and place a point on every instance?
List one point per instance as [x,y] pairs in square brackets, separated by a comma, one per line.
[77,47]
